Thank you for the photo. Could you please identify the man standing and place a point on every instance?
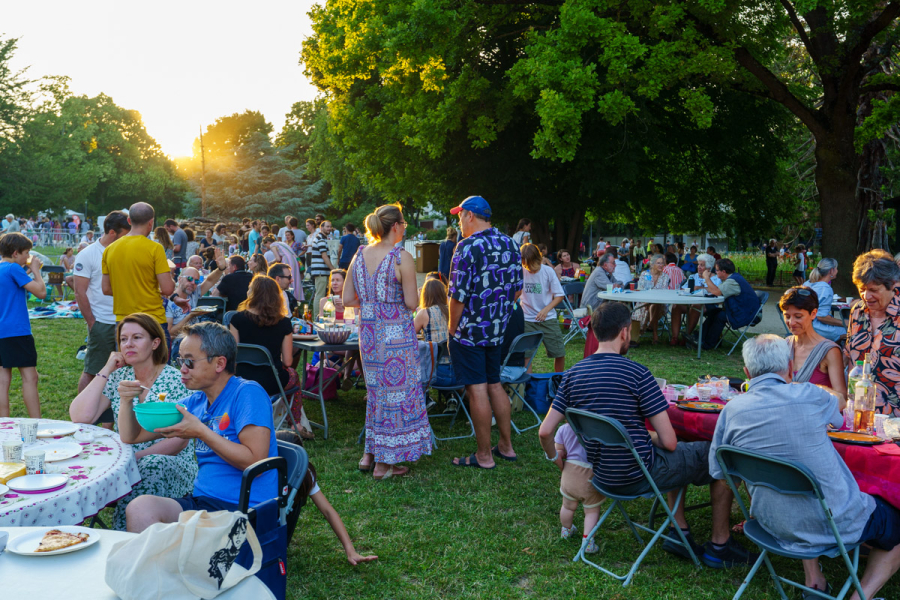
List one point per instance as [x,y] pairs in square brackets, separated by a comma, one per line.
[95,306]
[179,243]
[253,238]
[135,269]
[235,283]
[599,279]
[299,236]
[320,266]
[771,262]
[281,273]
[608,384]
[348,246]
[485,281]
[12,224]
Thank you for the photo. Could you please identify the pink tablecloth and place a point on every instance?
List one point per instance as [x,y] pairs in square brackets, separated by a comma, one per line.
[875,468]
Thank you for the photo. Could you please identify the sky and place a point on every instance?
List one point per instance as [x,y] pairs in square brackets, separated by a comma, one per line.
[181,64]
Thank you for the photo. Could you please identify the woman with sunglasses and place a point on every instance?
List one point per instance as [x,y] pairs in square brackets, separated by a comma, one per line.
[815,359]
[167,466]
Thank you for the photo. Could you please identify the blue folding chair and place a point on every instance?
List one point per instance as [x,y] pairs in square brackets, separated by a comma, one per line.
[591,427]
[258,356]
[515,378]
[741,332]
[790,479]
[455,401]
[574,289]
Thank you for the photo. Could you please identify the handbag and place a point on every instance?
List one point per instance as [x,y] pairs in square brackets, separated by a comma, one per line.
[311,383]
[193,558]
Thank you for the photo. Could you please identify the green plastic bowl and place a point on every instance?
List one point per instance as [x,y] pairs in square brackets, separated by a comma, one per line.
[155,415]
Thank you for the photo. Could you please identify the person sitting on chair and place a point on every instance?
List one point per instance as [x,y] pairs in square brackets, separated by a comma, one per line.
[705,263]
[741,304]
[788,421]
[230,418]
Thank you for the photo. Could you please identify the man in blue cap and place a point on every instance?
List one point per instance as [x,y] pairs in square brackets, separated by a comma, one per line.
[485,282]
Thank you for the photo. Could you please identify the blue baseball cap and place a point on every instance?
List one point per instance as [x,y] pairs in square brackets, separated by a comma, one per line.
[475,204]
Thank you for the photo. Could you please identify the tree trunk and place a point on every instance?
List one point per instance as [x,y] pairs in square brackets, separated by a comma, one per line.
[836,180]
[567,232]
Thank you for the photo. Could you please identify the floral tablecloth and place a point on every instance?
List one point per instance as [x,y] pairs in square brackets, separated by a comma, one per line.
[104,472]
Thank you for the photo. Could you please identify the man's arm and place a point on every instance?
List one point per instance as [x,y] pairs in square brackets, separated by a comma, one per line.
[663,435]
[327,258]
[81,285]
[710,286]
[166,283]
[254,439]
[106,285]
[456,311]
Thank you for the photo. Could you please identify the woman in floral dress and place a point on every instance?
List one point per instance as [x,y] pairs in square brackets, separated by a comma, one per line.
[647,316]
[382,284]
[167,466]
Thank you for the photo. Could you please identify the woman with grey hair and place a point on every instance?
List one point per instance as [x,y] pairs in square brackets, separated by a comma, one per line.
[874,327]
[647,316]
[820,279]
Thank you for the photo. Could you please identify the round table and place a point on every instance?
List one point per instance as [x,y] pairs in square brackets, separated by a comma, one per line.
[665,297]
[104,472]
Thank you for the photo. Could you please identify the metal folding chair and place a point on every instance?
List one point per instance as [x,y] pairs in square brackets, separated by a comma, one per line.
[791,479]
[216,301]
[781,316]
[56,275]
[741,332]
[455,397]
[567,308]
[591,427]
[258,356]
[526,344]
[226,320]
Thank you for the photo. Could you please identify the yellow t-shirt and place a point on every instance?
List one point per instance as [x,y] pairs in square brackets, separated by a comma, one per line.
[132,263]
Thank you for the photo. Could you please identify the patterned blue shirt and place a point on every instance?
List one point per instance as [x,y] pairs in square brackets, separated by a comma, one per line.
[485,276]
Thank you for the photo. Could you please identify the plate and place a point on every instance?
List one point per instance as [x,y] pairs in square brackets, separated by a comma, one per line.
[60,451]
[55,429]
[27,543]
[3,490]
[37,484]
[305,337]
[205,308]
[706,407]
[851,437]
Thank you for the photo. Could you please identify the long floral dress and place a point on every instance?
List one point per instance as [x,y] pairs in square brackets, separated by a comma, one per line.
[645,282]
[161,474]
[397,428]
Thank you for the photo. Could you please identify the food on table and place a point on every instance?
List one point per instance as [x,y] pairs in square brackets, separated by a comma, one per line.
[11,471]
[852,436]
[711,406]
[162,397]
[57,540]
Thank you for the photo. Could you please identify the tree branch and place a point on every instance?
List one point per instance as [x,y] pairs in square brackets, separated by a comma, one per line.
[873,28]
[801,30]
[879,87]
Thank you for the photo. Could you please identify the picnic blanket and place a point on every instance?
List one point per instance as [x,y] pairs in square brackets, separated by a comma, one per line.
[56,310]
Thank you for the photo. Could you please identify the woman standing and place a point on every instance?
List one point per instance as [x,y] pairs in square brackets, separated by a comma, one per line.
[800,264]
[283,252]
[163,239]
[645,316]
[167,466]
[382,283]
[815,359]
[258,265]
[445,253]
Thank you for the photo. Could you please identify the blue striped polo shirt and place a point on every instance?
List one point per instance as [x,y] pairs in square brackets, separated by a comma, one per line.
[616,387]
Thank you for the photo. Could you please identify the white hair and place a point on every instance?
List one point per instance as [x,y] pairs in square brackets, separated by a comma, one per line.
[706,259]
[766,353]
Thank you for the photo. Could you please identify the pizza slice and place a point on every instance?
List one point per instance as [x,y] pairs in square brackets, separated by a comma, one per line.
[57,540]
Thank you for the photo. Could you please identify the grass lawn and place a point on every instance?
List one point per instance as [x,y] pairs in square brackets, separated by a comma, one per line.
[450,532]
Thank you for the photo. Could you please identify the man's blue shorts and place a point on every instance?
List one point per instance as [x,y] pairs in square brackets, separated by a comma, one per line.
[883,527]
[474,365]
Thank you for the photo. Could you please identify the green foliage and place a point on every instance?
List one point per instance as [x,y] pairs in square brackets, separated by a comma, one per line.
[223,138]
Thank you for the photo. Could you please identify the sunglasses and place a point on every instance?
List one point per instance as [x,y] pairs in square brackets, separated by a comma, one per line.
[189,362]
[191,279]
[802,292]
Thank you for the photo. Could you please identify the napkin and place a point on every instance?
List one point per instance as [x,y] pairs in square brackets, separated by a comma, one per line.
[889,449]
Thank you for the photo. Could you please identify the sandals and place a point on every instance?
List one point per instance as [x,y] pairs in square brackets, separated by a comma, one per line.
[470,461]
[366,468]
[392,472]
[496,452]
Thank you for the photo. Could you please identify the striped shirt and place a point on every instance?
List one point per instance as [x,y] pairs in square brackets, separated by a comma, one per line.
[616,387]
[317,266]
[676,276]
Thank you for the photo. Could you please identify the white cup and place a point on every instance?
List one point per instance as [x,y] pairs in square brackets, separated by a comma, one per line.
[34,462]
[28,428]
[704,393]
[12,451]
[609,288]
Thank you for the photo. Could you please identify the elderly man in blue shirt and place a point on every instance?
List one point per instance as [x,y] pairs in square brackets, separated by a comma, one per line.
[789,421]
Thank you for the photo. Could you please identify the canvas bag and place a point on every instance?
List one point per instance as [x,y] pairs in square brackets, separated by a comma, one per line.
[190,559]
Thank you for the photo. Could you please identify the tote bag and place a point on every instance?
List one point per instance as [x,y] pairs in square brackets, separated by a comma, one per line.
[190,559]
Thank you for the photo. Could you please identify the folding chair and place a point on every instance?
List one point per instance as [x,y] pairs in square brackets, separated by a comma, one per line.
[56,275]
[258,356]
[781,316]
[226,320]
[791,479]
[591,427]
[526,344]
[576,289]
[216,301]
[763,297]
[456,395]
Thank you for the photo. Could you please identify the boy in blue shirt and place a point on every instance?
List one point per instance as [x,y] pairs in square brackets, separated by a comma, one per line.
[16,342]
[231,419]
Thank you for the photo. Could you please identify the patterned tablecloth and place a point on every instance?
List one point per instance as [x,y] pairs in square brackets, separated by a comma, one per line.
[104,472]
[875,468]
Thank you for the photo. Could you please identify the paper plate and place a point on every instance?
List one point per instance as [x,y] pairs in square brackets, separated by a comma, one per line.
[851,437]
[205,308]
[60,451]
[707,407]
[53,429]
[37,484]
[26,544]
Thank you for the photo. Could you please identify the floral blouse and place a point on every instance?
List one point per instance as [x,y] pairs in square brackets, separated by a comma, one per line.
[883,347]
[645,282]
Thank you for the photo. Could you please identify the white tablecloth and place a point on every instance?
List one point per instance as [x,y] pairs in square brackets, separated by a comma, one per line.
[660,297]
[80,575]
[104,472]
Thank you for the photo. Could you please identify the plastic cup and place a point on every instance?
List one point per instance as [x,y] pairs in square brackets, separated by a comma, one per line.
[34,462]
[28,428]
[12,451]
[704,393]
[609,288]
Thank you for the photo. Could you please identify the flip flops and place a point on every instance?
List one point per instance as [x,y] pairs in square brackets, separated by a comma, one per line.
[496,452]
[392,472]
[470,461]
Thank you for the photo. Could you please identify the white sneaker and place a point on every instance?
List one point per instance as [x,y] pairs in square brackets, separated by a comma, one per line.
[592,547]
[567,533]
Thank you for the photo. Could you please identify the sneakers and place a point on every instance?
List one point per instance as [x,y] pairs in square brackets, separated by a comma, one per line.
[567,533]
[678,549]
[592,547]
[731,555]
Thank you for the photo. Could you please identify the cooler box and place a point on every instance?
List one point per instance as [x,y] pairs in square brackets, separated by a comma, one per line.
[427,256]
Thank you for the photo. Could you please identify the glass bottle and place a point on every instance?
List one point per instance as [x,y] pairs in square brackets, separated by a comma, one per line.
[864,401]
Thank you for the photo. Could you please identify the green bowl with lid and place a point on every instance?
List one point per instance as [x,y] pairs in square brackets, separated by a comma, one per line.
[155,415]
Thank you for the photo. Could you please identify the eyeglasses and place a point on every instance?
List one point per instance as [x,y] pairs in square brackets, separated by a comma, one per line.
[286,276]
[189,362]
[402,223]
[190,279]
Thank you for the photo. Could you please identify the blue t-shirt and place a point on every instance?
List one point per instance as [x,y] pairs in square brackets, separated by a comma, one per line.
[614,386]
[485,274]
[253,239]
[349,246]
[14,306]
[240,403]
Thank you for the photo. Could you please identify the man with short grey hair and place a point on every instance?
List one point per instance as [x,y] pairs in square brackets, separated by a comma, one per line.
[705,263]
[788,421]
[600,278]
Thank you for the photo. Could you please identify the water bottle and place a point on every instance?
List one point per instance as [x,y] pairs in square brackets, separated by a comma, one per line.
[328,311]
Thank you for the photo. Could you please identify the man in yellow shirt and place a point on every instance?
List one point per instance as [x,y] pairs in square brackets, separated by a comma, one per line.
[135,271]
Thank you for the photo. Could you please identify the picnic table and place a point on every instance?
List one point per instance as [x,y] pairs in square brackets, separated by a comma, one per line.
[875,468]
